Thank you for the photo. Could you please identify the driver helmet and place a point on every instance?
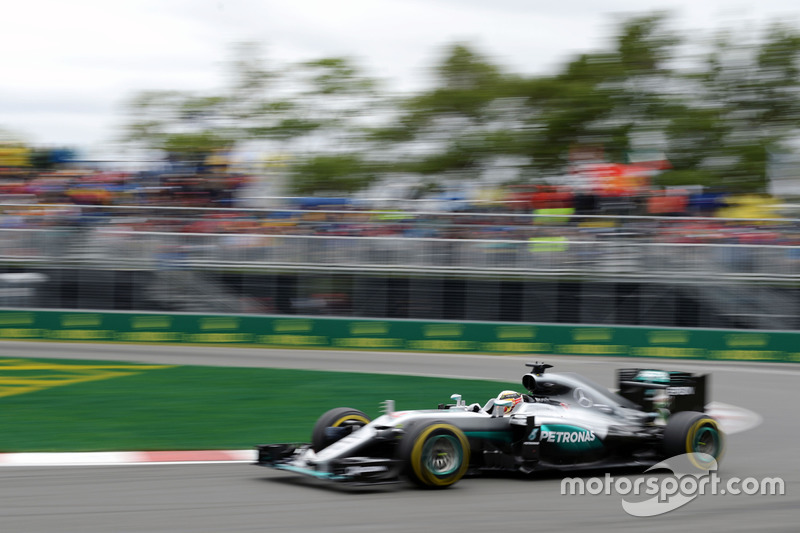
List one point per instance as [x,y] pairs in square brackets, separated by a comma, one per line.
[513,396]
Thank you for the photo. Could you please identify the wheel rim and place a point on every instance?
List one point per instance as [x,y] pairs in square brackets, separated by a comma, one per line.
[442,455]
[706,441]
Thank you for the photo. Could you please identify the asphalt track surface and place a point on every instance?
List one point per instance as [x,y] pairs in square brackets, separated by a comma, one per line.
[241,497]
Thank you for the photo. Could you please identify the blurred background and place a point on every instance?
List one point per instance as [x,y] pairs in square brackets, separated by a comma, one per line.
[631,169]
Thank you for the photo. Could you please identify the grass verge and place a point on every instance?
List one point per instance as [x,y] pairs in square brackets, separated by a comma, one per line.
[48,405]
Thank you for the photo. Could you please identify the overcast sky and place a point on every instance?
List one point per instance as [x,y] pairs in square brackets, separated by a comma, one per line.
[67,65]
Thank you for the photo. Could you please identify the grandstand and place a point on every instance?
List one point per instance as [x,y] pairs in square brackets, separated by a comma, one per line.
[598,269]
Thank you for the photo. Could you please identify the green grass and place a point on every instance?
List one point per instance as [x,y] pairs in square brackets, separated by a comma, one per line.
[196,407]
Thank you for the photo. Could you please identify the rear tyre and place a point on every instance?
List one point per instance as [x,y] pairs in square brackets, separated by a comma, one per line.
[690,432]
[436,454]
[345,418]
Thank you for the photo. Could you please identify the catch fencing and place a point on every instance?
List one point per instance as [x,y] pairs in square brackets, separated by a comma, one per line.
[544,256]
[547,278]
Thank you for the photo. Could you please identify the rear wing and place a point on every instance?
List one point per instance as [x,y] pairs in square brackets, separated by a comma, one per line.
[661,389]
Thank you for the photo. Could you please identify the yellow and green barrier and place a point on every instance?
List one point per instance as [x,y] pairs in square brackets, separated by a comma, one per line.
[400,335]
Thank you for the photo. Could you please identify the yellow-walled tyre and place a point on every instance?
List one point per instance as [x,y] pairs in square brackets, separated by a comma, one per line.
[436,454]
[690,432]
[346,418]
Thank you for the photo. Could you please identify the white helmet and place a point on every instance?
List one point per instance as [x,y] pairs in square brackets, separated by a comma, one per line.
[509,395]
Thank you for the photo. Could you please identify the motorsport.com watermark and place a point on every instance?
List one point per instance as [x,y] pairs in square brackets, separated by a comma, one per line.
[693,475]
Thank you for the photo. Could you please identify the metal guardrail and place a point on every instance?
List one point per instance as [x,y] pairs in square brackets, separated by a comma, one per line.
[542,257]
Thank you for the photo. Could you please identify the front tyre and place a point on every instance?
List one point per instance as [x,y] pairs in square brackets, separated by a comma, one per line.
[335,425]
[690,432]
[436,455]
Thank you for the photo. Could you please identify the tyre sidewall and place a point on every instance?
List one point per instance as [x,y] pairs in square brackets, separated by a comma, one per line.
[417,444]
[335,418]
[681,432]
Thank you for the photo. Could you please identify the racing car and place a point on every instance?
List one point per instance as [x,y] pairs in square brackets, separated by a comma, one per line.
[563,422]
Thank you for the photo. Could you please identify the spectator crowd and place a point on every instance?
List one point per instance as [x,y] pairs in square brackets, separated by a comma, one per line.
[216,202]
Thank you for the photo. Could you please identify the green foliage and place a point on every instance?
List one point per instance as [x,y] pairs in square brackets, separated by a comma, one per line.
[679,178]
[336,75]
[194,146]
[285,129]
[745,103]
[644,46]
[716,122]
[330,174]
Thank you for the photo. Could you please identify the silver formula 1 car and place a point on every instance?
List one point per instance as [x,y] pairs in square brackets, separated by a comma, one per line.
[564,422]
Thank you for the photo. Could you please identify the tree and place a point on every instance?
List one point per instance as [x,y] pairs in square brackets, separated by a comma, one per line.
[743,104]
[459,127]
[478,115]
[189,126]
[307,109]
[330,174]
[608,98]
[716,122]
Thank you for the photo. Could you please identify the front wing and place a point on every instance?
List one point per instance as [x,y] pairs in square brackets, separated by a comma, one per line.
[299,459]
